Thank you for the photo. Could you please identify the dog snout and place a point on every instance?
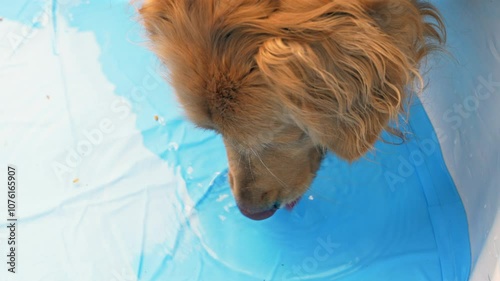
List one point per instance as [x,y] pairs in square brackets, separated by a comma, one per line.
[256,199]
[259,215]
[258,209]
[254,202]
[257,205]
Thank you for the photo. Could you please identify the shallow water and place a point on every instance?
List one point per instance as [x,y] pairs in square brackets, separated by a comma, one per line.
[394,215]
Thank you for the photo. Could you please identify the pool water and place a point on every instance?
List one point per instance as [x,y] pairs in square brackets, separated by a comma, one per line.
[393,215]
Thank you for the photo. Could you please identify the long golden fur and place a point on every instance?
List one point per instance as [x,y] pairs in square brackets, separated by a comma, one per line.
[284,80]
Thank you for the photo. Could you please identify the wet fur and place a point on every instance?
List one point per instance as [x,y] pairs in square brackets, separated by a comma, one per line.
[285,80]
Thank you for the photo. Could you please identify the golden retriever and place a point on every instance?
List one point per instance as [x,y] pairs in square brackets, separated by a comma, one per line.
[285,80]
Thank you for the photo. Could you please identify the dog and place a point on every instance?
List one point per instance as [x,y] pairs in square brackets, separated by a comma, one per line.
[284,81]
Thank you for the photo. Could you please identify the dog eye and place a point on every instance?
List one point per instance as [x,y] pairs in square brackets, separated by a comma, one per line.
[336,14]
[228,35]
[252,69]
[165,18]
[304,136]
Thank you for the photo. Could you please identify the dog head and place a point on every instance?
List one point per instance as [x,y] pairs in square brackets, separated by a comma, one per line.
[285,81]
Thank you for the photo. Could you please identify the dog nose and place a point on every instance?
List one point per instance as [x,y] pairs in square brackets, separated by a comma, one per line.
[259,215]
[254,202]
[257,204]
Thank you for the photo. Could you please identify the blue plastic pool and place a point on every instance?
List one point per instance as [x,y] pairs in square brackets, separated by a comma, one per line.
[394,215]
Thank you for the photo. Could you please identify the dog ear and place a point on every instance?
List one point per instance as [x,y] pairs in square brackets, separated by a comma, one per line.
[208,47]
[342,69]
